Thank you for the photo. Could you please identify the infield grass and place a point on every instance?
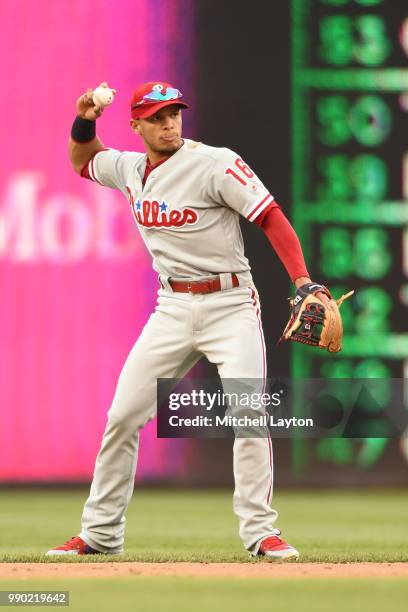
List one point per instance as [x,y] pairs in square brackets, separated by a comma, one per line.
[204,595]
[180,525]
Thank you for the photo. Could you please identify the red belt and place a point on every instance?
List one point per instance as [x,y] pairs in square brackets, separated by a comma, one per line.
[204,286]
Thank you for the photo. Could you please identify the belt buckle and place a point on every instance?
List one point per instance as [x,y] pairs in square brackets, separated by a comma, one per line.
[189,287]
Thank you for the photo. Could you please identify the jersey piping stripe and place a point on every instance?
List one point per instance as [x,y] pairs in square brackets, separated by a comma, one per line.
[91,168]
[258,208]
[270,452]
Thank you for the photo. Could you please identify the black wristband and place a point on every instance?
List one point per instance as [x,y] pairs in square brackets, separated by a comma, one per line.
[83,130]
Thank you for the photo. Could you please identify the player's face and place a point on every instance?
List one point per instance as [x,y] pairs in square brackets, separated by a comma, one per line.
[161,133]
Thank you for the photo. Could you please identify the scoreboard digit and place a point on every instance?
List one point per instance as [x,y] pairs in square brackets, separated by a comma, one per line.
[350,187]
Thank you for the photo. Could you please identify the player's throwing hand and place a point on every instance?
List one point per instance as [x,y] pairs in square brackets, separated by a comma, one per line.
[86,107]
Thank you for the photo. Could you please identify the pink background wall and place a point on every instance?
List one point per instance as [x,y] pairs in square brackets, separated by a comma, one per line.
[76,283]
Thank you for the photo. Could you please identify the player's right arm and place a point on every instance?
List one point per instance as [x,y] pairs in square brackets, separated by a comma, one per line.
[89,157]
[80,153]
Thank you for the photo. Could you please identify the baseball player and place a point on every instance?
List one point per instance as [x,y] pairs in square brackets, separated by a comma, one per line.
[186,199]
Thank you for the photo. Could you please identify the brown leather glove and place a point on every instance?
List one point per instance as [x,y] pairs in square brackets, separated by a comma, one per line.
[314,322]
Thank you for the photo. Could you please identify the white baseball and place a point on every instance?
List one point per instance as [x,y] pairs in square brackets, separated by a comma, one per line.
[103,96]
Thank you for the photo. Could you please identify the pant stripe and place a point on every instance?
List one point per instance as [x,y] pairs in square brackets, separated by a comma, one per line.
[269,496]
[257,311]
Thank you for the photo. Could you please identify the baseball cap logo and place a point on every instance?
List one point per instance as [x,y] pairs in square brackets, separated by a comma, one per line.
[151,97]
[160,95]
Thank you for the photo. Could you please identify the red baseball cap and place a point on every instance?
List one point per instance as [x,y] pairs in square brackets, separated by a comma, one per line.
[151,97]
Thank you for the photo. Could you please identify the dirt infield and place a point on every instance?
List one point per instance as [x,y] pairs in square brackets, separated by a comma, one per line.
[205,570]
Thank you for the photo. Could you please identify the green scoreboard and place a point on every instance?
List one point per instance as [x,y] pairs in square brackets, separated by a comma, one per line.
[350,190]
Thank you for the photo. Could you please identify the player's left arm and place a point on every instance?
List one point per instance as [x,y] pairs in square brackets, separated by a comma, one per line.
[234,184]
[286,244]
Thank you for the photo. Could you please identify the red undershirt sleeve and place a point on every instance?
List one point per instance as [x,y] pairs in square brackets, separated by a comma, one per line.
[284,240]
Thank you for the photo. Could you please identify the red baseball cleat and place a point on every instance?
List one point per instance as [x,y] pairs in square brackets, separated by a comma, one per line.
[276,549]
[74,546]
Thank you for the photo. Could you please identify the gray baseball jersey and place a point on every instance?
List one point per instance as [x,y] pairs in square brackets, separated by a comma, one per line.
[188,210]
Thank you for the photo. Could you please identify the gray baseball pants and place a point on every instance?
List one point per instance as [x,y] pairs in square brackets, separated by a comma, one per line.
[225,327]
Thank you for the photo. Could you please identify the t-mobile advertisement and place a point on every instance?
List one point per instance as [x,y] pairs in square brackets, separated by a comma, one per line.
[76,281]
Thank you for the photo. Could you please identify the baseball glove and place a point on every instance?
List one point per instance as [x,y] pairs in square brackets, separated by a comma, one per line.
[314,322]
